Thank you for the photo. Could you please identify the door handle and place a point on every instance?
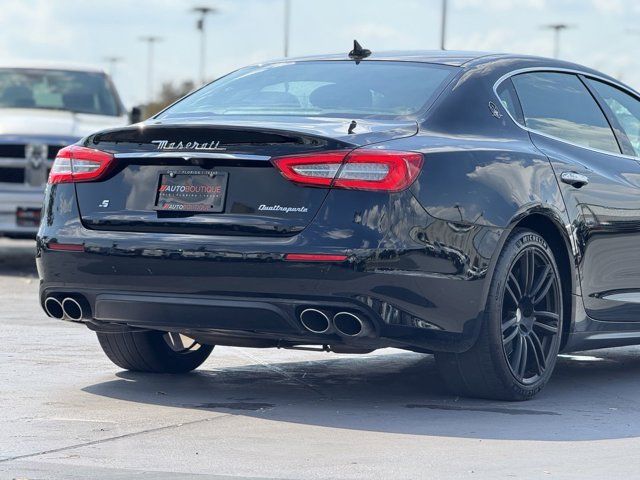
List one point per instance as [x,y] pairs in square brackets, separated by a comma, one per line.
[574,179]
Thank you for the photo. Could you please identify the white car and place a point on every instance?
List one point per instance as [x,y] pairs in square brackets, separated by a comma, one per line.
[42,109]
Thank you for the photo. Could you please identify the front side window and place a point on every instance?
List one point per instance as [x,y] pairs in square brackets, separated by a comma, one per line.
[319,88]
[559,105]
[74,91]
[625,108]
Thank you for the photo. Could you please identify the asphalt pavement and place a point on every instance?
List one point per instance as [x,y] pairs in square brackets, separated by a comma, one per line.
[67,412]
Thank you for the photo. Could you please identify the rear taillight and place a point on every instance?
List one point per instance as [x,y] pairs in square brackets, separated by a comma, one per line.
[379,170]
[79,164]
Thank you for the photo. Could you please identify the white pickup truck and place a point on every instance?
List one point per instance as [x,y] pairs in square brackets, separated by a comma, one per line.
[42,109]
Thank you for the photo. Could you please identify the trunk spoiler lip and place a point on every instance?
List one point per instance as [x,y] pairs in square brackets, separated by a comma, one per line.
[392,128]
[190,154]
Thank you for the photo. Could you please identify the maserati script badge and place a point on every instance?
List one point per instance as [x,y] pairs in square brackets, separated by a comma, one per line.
[212,146]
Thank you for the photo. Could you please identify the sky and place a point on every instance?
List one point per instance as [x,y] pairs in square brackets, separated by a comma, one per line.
[604,34]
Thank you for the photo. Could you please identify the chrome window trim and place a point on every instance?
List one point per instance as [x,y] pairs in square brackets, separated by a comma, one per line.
[189,154]
[513,73]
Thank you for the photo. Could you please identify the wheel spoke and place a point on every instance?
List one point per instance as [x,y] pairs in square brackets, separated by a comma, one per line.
[535,355]
[548,328]
[180,343]
[529,270]
[513,279]
[554,317]
[523,362]
[544,290]
[538,352]
[537,345]
[516,358]
[509,323]
[176,341]
[541,281]
[542,313]
[513,296]
[511,336]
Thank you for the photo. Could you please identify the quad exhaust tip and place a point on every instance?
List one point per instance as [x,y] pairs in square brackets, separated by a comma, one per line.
[346,324]
[53,307]
[350,325]
[315,321]
[72,309]
[64,309]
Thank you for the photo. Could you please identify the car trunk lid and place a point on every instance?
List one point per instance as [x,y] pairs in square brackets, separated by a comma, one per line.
[222,173]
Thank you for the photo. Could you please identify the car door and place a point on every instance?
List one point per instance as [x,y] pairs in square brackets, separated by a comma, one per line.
[599,181]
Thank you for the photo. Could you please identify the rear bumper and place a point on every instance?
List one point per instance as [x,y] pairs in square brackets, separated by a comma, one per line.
[418,280]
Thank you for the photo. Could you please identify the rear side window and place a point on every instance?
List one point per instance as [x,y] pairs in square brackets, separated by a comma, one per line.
[509,100]
[559,105]
[625,108]
[320,88]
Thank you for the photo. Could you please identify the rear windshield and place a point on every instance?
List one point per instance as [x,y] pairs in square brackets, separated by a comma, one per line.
[319,88]
[81,92]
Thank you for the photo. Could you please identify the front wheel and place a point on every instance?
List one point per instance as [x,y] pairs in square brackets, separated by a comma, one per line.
[517,348]
[153,351]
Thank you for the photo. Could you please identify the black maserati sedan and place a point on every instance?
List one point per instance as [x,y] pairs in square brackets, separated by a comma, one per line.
[484,208]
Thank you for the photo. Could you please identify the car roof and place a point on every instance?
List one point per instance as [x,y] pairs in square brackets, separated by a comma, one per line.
[456,58]
[51,65]
[443,57]
[461,58]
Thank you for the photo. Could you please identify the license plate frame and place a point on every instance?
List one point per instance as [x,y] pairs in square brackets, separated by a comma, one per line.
[28,217]
[177,191]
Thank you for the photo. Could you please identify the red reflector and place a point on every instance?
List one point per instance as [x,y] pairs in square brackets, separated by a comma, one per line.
[314,257]
[360,169]
[79,164]
[66,247]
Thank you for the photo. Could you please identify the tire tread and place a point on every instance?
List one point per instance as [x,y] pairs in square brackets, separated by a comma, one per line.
[148,352]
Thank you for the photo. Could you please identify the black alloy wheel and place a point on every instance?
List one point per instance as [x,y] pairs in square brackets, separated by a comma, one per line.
[531,312]
[517,347]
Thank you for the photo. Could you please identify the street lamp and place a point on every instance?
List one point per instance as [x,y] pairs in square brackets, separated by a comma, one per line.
[557,28]
[200,25]
[443,26]
[151,41]
[113,61]
[287,23]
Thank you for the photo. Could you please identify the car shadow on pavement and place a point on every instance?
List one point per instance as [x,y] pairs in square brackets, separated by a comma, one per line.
[592,396]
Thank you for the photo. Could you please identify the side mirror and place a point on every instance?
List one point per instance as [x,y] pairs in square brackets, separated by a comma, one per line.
[135,115]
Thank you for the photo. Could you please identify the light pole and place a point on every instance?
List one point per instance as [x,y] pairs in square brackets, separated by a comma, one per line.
[287,24]
[443,26]
[151,41]
[201,26]
[557,28]
[112,61]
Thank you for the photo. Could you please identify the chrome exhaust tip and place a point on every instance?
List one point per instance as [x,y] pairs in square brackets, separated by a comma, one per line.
[350,325]
[53,307]
[72,309]
[315,321]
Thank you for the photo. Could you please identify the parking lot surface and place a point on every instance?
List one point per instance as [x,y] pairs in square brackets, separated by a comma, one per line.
[67,412]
